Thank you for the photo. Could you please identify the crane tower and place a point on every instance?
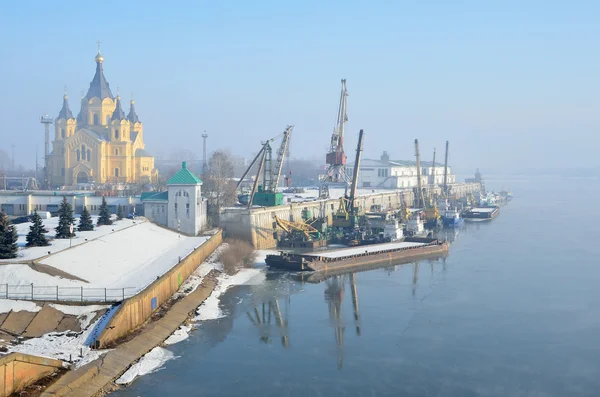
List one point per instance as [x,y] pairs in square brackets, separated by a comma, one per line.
[46,120]
[336,157]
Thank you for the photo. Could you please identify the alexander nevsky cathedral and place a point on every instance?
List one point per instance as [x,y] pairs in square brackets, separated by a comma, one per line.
[103,144]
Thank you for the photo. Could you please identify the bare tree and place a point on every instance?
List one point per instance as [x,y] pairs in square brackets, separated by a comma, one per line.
[219,186]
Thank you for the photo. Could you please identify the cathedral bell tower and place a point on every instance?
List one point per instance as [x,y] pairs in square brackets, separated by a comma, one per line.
[99,103]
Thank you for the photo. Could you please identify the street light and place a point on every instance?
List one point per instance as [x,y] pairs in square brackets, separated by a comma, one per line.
[70,234]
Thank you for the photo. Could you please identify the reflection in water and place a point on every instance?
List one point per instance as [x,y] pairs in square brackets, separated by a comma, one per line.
[334,295]
[271,317]
[355,303]
[415,278]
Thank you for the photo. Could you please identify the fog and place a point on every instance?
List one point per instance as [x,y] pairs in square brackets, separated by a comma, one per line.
[512,86]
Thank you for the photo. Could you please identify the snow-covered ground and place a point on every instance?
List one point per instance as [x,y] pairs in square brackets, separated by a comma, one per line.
[133,257]
[57,245]
[151,362]
[60,345]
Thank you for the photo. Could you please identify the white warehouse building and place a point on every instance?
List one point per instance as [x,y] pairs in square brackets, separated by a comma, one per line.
[397,174]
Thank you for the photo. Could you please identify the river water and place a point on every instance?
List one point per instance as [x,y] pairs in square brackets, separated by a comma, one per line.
[514,310]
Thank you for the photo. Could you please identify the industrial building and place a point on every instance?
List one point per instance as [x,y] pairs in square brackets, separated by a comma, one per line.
[397,174]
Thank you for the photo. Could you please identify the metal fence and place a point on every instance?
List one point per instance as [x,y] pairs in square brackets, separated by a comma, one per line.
[73,294]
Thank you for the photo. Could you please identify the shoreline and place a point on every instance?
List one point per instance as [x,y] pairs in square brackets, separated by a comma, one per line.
[99,375]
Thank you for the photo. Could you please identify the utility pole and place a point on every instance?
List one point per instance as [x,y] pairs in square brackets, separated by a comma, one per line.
[204,136]
[46,121]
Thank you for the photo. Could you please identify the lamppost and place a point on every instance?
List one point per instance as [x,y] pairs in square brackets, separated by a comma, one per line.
[70,234]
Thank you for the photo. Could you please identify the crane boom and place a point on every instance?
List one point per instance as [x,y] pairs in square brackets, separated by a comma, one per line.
[433,171]
[336,157]
[250,167]
[260,167]
[419,196]
[355,173]
[446,171]
[337,139]
[280,156]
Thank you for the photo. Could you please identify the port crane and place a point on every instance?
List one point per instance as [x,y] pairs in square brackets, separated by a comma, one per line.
[446,171]
[347,211]
[419,200]
[433,172]
[266,194]
[336,157]
[432,215]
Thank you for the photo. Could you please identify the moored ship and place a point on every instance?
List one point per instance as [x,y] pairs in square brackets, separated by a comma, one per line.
[349,258]
[481,213]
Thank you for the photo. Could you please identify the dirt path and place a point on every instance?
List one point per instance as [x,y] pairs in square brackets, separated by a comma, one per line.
[52,271]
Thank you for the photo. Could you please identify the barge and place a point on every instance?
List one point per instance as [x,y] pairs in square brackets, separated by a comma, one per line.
[350,258]
[481,213]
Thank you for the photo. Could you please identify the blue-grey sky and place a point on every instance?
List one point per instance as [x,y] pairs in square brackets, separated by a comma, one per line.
[510,83]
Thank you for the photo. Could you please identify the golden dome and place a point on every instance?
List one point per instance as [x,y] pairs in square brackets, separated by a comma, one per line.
[99,58]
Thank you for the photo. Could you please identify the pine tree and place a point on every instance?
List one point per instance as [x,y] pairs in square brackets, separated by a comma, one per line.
[65,220]
[8,238]
[37,233]
[104,218]
[85,221]
[119,212]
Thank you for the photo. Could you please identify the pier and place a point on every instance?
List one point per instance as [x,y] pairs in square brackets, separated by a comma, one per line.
[257,223]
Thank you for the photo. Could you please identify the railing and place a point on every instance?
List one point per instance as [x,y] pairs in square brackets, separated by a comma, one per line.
[71,294]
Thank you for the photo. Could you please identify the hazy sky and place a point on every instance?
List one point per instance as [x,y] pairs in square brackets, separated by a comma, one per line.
[510,83]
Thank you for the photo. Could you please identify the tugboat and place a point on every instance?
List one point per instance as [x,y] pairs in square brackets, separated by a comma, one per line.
[415,227]
[450,216]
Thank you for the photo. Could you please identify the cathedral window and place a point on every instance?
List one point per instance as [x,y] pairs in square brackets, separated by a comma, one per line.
[187,210]
[78,155]
[116,152]
[116,172]
[89,154]
[62,132]
[116,134]
[83,152]
[96,120]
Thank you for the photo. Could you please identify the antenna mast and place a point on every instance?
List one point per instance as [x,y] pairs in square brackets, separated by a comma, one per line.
[204,164]
[46,121]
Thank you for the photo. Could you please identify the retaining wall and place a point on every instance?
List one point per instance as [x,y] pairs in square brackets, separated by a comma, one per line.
[137,309]
[18,370]
[256,225]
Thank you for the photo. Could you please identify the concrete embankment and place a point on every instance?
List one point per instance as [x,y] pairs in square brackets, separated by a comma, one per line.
[97,376]
[136,310]
[256,225]
[18,370]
